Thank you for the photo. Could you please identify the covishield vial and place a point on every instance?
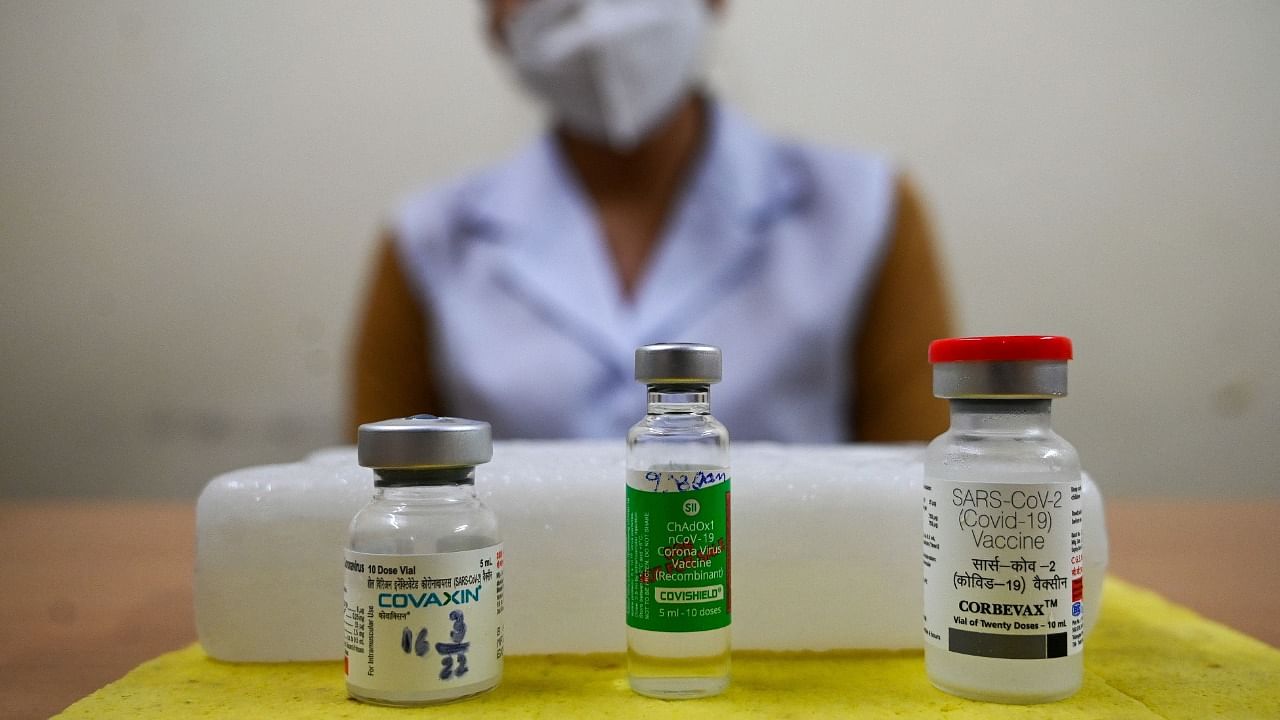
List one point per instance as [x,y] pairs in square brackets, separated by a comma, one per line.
[677,525]
[1003,554]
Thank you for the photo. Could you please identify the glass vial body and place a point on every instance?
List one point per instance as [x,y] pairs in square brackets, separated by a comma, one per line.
[1003,555]
[678,584]
[430,527]
[422,588]
[1008,445]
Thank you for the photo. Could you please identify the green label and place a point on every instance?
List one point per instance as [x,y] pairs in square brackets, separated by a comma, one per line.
[678,550]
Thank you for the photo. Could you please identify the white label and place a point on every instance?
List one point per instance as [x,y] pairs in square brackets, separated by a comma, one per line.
[1004,568]
[423,623]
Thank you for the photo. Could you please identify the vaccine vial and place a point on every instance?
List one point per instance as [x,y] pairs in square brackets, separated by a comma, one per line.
[422,600]
[677,524]
[1003,547]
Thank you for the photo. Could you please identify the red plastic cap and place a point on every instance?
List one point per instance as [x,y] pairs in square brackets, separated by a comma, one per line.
[1000,348]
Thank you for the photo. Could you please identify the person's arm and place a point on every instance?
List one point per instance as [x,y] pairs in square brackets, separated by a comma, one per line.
[391,371]
[907,308]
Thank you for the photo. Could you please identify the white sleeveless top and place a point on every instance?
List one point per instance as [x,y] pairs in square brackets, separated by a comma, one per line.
[770,254]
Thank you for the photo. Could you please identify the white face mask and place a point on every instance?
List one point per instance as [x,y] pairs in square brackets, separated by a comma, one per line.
[611,70]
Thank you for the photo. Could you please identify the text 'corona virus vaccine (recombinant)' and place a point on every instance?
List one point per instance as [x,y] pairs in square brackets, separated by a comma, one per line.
[1003,535]
[422,600]
[677,524]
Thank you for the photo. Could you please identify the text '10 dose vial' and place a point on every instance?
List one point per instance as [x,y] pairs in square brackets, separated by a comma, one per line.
[1003,543]
[422,600]
[677,523]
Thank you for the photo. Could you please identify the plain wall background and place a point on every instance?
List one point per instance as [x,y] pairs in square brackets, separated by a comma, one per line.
[189,193]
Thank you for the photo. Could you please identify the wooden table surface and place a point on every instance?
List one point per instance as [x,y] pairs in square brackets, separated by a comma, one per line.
[93,588]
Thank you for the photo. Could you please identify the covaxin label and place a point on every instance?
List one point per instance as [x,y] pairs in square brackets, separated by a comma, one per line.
[420,623]
[678,550]
[1004,569]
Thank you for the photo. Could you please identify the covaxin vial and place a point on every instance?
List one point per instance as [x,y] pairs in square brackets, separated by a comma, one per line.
[1003,542]
[422,600]
[677,523]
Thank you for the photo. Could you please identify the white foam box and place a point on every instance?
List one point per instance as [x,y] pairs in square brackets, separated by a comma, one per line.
[826,549]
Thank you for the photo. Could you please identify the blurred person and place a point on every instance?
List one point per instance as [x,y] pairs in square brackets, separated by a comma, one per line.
[650,212]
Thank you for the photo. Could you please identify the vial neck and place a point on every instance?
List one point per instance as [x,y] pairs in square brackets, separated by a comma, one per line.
[451,478]
[425,494]
[1002,416]
[679,399]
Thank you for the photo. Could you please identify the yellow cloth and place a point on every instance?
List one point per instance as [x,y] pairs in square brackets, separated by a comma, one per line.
[1147,658]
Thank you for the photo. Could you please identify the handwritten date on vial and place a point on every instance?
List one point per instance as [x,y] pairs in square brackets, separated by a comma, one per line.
[683,481]
[453,655]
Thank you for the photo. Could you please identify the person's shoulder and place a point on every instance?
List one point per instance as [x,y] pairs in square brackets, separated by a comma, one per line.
[435,212]
[433,208]
[837,173]
[847,191]
[846,196]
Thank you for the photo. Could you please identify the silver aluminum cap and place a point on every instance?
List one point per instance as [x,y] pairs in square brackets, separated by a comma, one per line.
[1011,379]
[425,441]
[678,364]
